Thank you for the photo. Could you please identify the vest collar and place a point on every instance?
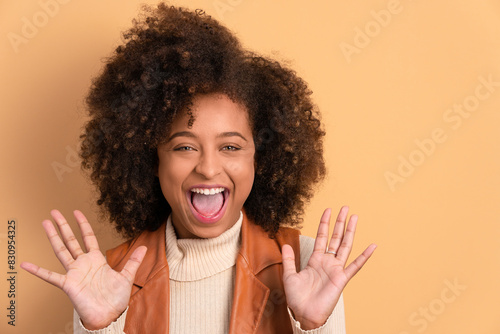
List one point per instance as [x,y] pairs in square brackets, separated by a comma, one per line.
[155,259]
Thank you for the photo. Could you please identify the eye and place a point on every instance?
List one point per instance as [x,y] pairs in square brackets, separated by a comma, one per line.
[230,148]
[184,148]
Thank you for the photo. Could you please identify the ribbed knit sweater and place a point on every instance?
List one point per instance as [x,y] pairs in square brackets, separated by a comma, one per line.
[202,273]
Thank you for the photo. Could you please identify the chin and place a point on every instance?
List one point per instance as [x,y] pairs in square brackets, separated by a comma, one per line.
[208,233]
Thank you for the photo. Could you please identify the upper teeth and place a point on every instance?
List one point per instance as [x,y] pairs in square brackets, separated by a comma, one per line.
[207,191]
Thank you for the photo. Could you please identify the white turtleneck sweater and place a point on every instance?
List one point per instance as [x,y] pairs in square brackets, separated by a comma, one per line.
[202,273]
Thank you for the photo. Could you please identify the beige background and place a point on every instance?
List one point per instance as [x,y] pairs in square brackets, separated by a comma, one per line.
[382,86]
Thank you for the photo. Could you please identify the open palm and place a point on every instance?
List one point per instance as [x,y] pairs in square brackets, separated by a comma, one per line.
[98,293]
[313,292]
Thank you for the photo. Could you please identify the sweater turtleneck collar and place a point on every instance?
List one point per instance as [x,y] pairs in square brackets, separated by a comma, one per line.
[196,259]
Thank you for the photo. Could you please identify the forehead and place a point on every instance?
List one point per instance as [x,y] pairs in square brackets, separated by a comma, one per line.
[212,111]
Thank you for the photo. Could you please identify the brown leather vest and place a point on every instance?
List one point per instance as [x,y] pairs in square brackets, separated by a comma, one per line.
[259,304]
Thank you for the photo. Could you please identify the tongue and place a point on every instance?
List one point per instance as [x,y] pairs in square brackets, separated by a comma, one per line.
[207,205]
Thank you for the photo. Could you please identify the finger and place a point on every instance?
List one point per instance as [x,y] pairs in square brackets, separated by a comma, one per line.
[359,262]
[130,268]
[58,246]
[47,275]
[89,239]
[288,261]
[69,238]
[338,229]
[322,235]
[348,239]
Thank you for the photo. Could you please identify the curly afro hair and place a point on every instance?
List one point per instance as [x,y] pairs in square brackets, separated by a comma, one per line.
[169,56]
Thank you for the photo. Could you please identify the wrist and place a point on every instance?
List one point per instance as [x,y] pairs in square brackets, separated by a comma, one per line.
[95,326]
[306,324]
[98,324]
[309,325]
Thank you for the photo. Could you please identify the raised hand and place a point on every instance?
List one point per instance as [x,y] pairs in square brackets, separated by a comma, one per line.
[98,293]
[313,293]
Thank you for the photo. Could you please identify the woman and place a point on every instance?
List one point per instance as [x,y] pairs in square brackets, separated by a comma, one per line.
[204,155]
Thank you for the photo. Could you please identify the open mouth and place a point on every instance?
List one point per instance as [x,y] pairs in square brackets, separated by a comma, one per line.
[208,204]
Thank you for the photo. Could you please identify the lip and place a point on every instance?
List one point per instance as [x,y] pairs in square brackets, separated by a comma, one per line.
[197,215]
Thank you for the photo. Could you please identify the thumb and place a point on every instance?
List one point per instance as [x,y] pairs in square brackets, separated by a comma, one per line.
[132,265]
[288,261]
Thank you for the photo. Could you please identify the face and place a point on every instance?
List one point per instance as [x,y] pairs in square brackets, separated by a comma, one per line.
[206,172]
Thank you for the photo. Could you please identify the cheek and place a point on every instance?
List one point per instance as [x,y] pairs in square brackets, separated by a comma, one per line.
[243,173]
[244,165]
[170,178]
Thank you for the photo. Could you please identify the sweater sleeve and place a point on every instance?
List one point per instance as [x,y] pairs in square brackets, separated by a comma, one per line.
[115,327]
[335,324]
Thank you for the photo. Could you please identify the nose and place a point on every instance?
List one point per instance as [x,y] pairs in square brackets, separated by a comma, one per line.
[209,165]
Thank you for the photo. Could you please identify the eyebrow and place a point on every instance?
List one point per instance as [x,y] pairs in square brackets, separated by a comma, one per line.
[231,134]
[181,134]
[220,135]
